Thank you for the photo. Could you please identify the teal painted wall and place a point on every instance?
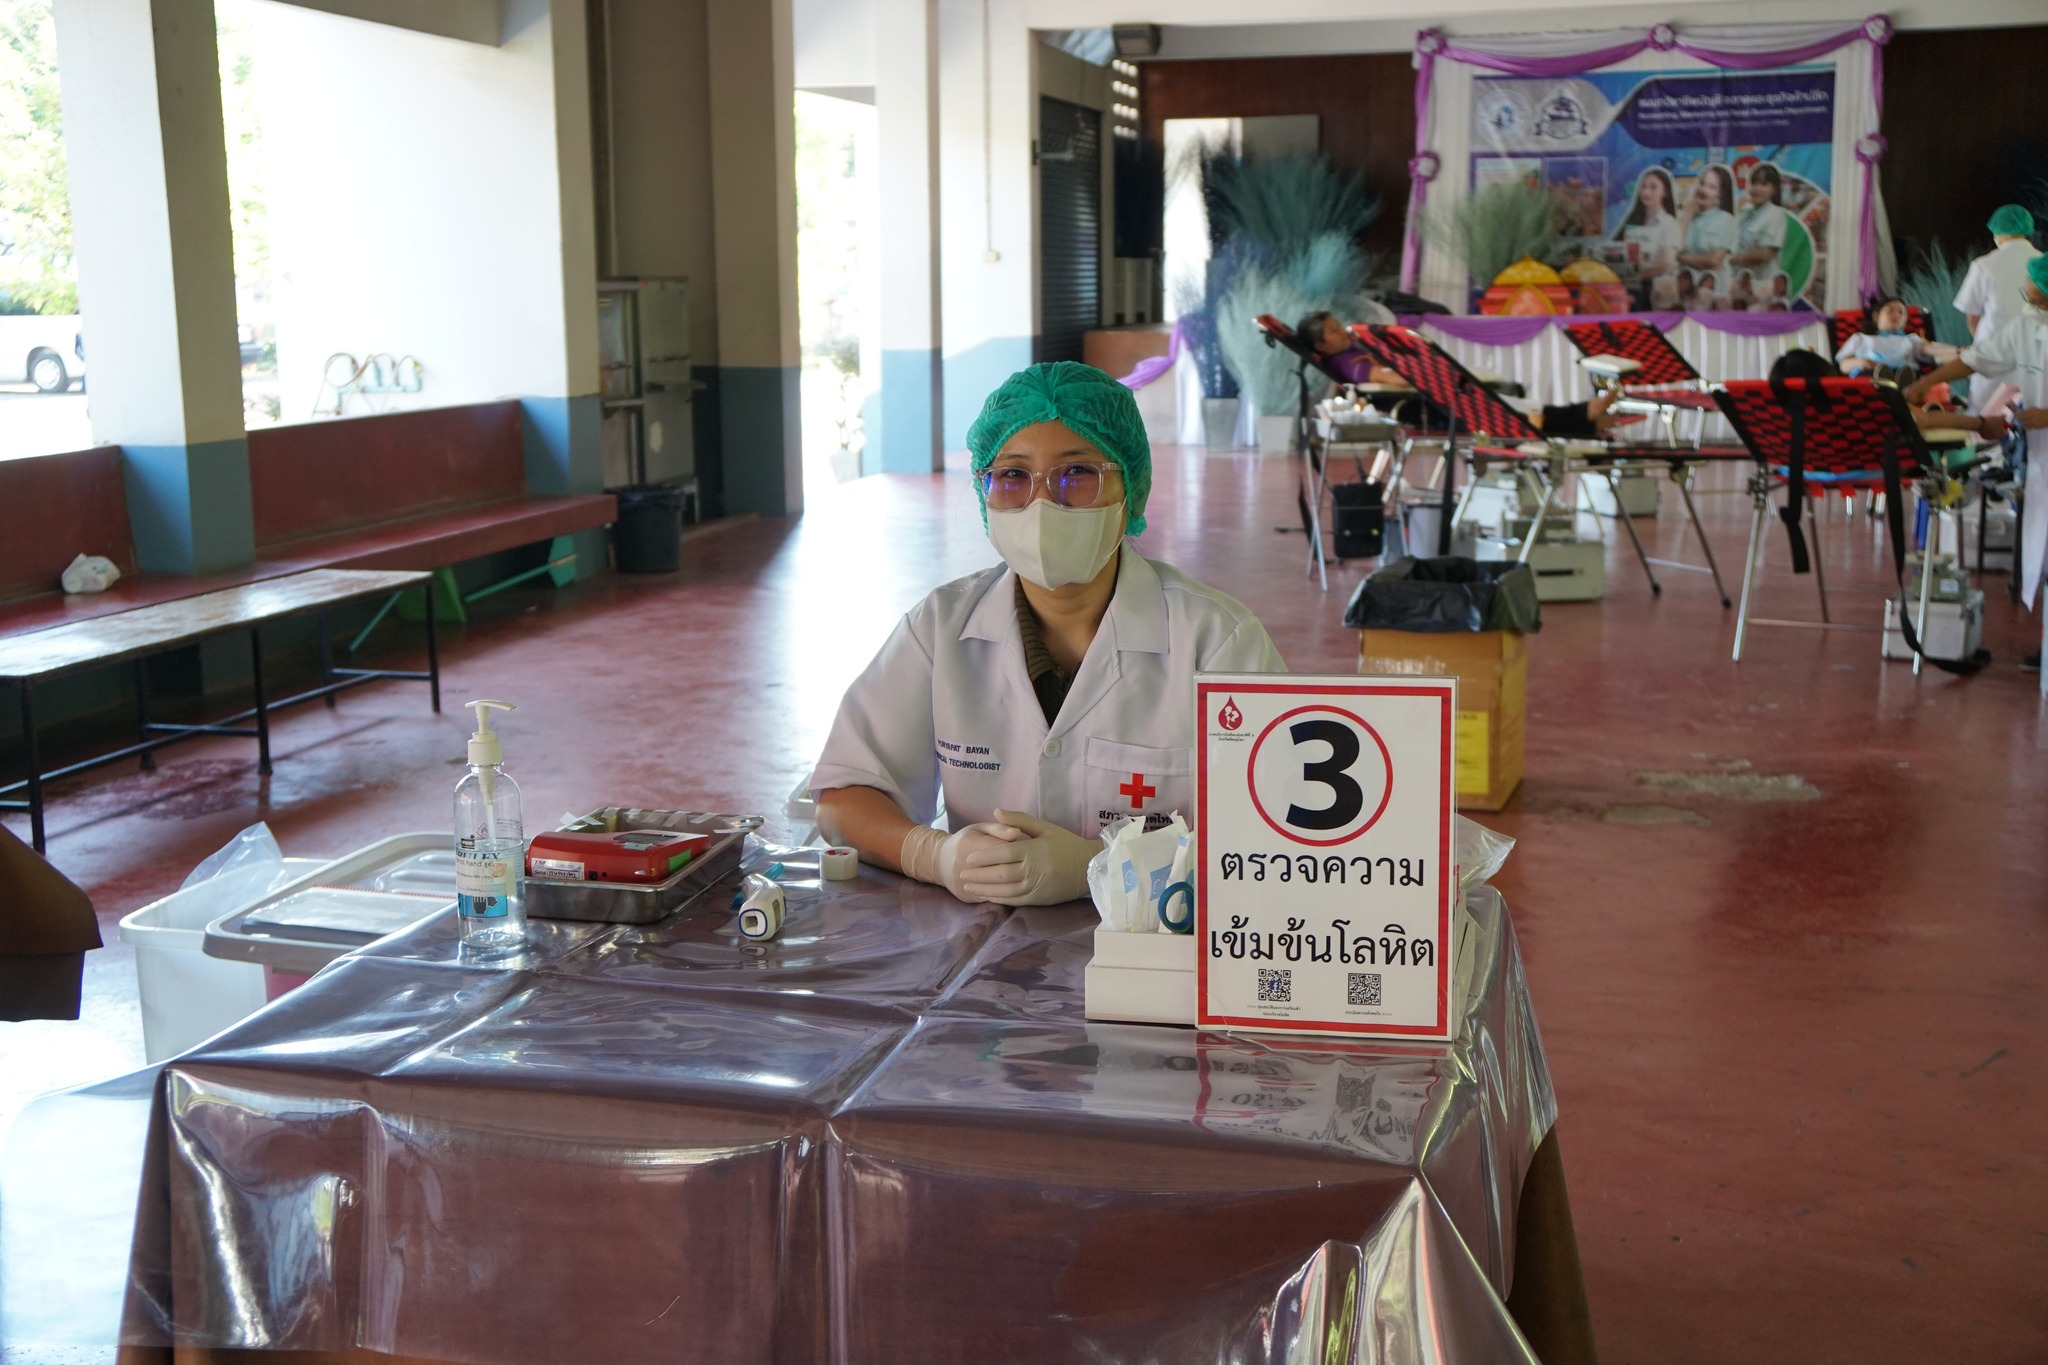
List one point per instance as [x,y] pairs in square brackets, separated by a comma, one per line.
[563,444]
[760,417]
[188,505]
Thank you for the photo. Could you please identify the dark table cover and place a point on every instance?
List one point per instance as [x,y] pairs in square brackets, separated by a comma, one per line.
[888,1135]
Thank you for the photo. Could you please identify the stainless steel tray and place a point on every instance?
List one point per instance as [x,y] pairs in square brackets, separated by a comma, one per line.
[623,903]
[340,905]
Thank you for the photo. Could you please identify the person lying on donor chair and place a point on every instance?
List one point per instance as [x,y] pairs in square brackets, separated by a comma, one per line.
[1801,365]
[1344,359]
[1051,694]
[1883,348]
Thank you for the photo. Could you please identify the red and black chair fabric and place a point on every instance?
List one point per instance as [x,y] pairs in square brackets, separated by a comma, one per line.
[1839,433]
[1666,375]
[1277,333]
[1438,377]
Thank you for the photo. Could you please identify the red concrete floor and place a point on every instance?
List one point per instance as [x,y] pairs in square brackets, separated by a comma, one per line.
[1797,1043]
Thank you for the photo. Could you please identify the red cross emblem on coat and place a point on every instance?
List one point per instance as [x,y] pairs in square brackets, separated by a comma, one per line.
[1137,790]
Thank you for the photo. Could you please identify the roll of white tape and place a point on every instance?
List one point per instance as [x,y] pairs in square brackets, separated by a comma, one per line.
[840,864]
[761,916]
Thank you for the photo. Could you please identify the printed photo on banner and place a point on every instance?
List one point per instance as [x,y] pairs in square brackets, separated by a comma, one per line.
[1698,190]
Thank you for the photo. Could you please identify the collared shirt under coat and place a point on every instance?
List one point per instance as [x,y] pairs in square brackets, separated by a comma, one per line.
[947,708]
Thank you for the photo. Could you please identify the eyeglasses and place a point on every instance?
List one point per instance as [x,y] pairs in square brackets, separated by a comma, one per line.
[1011,488]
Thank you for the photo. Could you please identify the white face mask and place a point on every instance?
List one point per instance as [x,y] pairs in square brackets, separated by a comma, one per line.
[1053,545]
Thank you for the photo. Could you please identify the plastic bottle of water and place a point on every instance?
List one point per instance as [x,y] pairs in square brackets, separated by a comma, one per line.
[490,845]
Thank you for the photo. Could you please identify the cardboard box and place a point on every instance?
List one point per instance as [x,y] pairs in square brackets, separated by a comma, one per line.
[1492,669]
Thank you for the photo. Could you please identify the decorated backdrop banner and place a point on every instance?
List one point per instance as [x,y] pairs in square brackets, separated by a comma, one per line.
[1680,189]
[1662,142]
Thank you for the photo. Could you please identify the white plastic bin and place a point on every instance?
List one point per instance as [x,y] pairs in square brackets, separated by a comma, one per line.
[187,997]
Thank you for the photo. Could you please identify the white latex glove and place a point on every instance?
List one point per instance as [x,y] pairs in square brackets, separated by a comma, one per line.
[1046,866]
[931,855]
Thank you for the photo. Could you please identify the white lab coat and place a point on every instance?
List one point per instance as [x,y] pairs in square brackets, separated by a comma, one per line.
[1714,230]
[947,707]
[2017,353]
[1991,294]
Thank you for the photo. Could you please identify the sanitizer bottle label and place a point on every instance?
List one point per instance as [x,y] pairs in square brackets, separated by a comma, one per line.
[483,884]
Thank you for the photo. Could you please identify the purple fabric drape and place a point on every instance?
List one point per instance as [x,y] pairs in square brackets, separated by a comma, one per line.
[1153,366]
[1484,330]
[1430,44]
[1496,331]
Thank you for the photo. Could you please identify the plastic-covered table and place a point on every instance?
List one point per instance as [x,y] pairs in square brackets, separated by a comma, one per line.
[887,1135]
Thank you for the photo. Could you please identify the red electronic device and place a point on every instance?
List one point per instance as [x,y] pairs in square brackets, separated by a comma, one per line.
[634,855]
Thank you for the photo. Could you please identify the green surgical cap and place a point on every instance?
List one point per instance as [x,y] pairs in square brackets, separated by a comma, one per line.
[1088,403]
[2012,221]
[2037,271]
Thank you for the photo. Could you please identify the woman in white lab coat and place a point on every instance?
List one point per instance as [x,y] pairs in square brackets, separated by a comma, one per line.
[1707,230]
[1760,236]
[1050,694]
[1990,295]
[2017,353]
[1652,224]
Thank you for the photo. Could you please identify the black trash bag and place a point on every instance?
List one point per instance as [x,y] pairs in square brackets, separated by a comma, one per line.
[1442,596]
[648,536]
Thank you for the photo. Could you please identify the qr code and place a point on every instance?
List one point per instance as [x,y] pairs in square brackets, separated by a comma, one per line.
[1362,989]
[1275,987]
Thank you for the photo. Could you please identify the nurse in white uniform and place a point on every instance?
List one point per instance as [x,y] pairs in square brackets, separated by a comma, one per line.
[1707,228]
[1760,236]
[2017,353]
[1046,696]
[1990,295]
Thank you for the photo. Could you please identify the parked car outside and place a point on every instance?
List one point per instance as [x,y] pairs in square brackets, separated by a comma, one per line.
[48,352]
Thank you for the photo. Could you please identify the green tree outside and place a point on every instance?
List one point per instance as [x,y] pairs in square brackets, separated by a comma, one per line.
[36,270]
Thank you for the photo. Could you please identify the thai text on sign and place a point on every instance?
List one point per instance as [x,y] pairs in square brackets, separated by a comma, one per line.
[1323,881]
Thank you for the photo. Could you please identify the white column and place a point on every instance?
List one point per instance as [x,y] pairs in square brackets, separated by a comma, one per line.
[753,193]
[907,139]
[989,202]
[156,271]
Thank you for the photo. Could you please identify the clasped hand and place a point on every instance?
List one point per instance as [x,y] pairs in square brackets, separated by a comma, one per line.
[1015,859]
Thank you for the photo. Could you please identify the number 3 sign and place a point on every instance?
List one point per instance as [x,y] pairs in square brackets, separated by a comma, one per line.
[1323,885]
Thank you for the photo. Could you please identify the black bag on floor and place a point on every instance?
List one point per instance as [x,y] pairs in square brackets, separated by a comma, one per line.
[1359,518]
[1439,596]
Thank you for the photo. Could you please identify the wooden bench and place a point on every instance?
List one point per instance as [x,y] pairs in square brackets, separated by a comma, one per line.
[131,636]
[404,490]
[412,490]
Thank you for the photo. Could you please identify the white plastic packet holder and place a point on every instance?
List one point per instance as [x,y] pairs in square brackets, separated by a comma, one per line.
[1135,869]
[89,573]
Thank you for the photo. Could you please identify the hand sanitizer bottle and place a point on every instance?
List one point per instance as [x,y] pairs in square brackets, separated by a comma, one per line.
[490,845]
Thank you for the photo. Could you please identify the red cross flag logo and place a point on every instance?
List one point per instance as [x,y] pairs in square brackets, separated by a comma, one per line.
[1230,717]
[1137,790]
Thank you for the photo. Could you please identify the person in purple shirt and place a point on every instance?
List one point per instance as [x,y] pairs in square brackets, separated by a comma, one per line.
[1344,360]
[1339,353]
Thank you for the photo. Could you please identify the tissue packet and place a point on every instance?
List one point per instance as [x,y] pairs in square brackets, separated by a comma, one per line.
[1135,866]
[89,573]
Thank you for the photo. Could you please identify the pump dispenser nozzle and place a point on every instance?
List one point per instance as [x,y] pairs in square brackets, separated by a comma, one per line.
[484,749]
